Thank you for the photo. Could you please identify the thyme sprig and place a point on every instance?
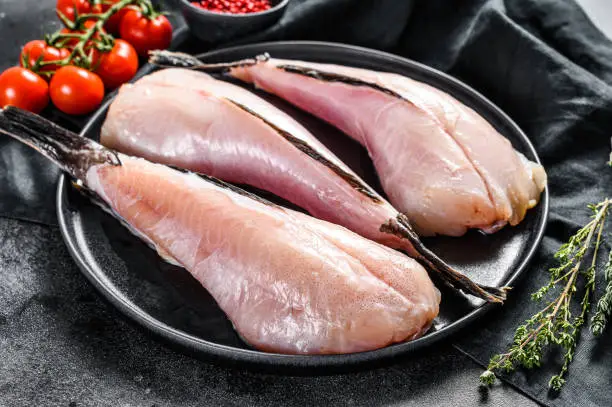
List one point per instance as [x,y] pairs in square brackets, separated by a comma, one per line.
[604,305]
[555,324]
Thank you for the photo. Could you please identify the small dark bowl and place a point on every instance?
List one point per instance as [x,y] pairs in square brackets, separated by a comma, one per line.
[212,27]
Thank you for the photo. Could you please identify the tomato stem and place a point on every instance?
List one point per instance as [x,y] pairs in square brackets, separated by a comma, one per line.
[70,35]
[67,22]
[89,16]
[105,43]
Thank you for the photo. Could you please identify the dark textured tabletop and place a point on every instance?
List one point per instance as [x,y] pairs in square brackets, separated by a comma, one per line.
[62,345]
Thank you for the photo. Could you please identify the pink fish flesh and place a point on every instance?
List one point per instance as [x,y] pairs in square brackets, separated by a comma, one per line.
[191,120]
[289,283]
[439,162]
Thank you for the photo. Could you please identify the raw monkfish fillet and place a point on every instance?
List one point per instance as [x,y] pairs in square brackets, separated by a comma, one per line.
[439,162]
[289,283]
[190,120]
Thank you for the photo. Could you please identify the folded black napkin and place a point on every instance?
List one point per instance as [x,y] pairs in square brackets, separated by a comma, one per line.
[542,61]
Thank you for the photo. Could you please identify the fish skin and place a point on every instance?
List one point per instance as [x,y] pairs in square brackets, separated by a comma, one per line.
[288,282]
[440,173]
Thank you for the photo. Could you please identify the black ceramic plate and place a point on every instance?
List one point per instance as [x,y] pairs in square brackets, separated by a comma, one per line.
[169,303]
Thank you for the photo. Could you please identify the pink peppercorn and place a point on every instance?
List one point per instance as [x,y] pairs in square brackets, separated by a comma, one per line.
[234,6]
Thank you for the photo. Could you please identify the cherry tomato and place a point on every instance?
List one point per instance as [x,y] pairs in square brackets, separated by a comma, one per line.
[75,90]
[97,9]
[39,49]
[94,53]
[71,7]
[145,34]
[24,89]
[114,22]
[119,65]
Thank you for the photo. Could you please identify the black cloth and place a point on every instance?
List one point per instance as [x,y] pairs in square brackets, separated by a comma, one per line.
[541,61]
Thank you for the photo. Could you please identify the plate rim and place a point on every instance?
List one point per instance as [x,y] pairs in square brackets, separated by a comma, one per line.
[213,351]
